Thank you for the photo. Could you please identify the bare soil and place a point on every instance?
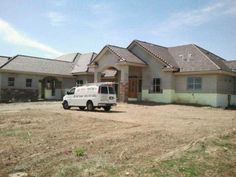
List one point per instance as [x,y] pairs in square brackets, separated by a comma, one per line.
[43,140]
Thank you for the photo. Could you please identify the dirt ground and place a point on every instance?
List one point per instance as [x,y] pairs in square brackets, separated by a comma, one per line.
[43,140]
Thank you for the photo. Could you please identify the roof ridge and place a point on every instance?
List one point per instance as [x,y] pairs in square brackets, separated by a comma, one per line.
[164,61]
[218,57]
[151,43]
[115,46]
[41,58]
[180,45]
[4,56]
[12,58]
[230,61]
[199,49]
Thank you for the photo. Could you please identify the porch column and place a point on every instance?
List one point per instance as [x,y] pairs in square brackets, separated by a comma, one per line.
[97,76]
[124,83]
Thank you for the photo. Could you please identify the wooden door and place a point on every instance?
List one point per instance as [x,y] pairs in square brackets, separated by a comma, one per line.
[133,88]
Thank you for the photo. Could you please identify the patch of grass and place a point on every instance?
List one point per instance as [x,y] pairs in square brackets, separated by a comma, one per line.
[69,171]
[80,152]
[15,132]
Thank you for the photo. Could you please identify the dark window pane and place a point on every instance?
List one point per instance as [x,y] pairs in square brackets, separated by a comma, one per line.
[111,90]
[104,90]
[11,81]
[28,83]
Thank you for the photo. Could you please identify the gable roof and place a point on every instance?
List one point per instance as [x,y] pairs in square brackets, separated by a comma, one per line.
[23,63]
[3,60]
[218,61]
[82,62]
[125,55]
[157,51]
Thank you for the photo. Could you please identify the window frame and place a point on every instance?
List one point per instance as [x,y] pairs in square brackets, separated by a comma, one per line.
[26,82]
[79,83]
[11,83]
[194,83]
[156,85]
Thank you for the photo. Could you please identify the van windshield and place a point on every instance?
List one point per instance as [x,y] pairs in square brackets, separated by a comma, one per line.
[111,90]
[104,90]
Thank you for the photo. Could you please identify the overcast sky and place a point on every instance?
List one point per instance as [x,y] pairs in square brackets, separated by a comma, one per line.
[49,28]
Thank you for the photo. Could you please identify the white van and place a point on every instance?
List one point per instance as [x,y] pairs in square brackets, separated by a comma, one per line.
[93,95]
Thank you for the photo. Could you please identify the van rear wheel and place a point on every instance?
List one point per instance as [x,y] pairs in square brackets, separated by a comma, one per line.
[82,108]
[65,105]
[90,106]
[107,108]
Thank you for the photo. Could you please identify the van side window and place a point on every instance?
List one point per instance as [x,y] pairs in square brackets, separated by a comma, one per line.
[104,90]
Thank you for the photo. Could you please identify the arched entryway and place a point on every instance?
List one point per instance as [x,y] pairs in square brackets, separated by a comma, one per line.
[50,88]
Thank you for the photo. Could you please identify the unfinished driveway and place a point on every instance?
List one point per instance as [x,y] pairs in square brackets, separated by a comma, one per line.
[42,139]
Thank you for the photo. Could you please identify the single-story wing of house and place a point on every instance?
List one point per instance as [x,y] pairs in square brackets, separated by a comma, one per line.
[143,71]
[25,78]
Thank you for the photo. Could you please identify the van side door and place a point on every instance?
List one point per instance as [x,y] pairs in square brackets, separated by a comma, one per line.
[103,94]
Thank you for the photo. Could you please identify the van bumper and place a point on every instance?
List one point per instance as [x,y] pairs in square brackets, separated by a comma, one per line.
[106,104]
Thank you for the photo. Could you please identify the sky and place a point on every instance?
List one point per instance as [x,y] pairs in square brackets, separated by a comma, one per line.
[50,28]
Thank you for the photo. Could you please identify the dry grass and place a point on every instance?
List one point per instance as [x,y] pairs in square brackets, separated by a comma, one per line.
[44,140]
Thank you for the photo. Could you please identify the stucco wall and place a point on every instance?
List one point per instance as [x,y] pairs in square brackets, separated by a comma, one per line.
[153,70]
[107,60]
[86,78]
[209,84]
[226,84]
[20,80]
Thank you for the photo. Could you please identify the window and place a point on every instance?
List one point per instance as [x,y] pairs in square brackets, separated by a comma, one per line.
[111,90]
[11,81]
[28,82]
[156,85]
[104,90]
[194,83]
[79,82]
[71,92]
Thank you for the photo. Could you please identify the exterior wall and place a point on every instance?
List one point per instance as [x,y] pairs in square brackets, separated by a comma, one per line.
[154,70]
[214,92]
[209,84]
[22,93]
[86,78]
[226,84]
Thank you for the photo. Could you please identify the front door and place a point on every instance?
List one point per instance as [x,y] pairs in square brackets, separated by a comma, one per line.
[133,88]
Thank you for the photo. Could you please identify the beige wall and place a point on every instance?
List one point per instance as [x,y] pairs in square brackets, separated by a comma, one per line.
[20,83]
[86,78]
[209,84]
[20,80]
[153,70]
[226,84]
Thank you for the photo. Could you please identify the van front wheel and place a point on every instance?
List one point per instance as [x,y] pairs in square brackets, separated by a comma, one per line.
[90,106]
[65,105]
[107,108]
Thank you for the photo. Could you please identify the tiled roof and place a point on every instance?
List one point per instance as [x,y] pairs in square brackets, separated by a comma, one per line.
[68,57]
[193,58]
[81,64]
[159,52]
[231,64]
[125,55]
[220,62]
[3,60]
[22,63]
